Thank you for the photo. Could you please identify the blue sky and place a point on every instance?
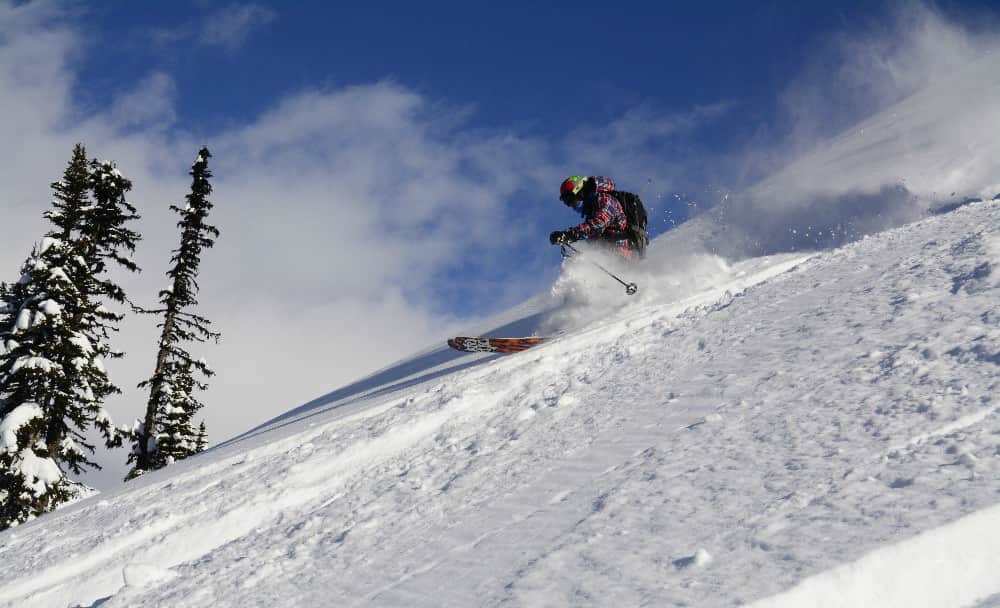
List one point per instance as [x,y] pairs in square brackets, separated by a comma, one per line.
[386,173]
[537,70]
[538,67]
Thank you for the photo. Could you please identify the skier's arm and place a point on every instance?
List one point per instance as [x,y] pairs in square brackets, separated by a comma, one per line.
[596,225]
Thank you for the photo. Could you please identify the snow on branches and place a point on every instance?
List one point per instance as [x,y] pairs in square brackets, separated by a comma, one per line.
[54,333]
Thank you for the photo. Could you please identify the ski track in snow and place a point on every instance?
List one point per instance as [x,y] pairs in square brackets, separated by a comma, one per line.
[807,431]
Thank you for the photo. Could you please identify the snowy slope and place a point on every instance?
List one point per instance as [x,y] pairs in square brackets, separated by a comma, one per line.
[797,430]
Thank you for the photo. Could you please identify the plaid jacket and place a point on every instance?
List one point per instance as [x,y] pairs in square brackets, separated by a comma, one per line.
[603,217]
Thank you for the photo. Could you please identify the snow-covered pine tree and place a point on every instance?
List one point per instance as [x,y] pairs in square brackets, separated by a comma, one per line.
[34,387]
[6,308]
[104,235]
[53,337]
[166,433]
[202,440]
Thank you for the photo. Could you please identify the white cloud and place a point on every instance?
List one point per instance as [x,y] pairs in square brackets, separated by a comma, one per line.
[150,104]
[370,173]
[35,77]
[229,28]
[232,26]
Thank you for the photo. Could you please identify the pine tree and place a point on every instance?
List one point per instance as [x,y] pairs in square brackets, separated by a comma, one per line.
[54,330]
[166,434]
[6,309]
[201,442]
[71,196]
[35,386]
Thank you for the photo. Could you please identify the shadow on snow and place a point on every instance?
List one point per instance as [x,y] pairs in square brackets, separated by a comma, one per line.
[404,374]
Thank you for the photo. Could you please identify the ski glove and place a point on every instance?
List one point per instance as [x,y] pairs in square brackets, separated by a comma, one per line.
[562,237]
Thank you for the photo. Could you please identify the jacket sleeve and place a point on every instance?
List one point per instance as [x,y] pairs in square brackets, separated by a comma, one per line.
[601,220]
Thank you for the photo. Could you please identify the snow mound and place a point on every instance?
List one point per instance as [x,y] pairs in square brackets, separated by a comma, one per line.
[954,565]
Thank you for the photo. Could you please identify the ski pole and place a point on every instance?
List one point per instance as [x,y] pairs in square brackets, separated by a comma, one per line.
[630,288]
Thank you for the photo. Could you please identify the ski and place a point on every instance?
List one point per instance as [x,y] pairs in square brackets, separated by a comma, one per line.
[493,345]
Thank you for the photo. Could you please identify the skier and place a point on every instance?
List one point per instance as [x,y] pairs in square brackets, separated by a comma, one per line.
[603,216]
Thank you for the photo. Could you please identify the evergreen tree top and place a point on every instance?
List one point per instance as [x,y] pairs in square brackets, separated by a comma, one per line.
[71,196]
[196,234]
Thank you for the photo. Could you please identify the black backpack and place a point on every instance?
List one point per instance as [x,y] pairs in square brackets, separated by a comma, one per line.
[635,218]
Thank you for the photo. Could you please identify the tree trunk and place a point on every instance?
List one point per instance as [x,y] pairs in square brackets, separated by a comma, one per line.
[144,461]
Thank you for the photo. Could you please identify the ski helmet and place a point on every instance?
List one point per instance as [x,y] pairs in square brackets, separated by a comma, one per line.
[569,191]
